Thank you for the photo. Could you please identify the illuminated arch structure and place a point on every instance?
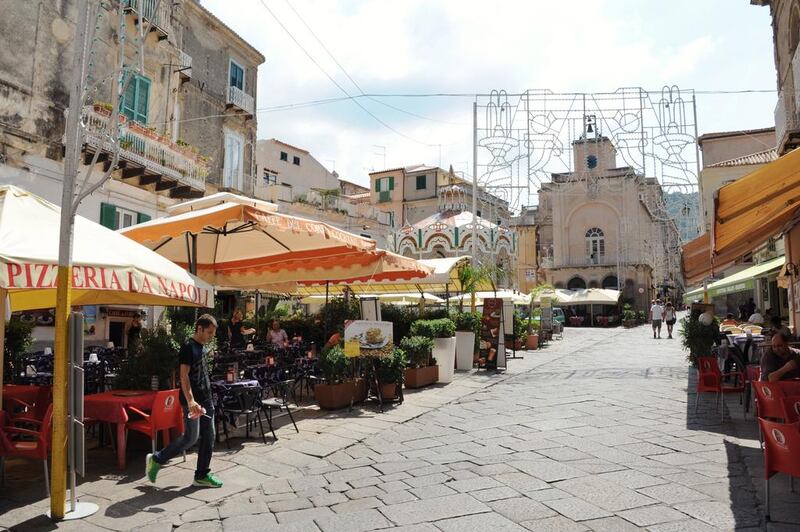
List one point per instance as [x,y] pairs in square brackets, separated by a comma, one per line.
[448,233]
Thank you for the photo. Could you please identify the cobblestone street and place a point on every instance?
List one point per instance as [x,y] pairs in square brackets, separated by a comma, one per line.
[595,432]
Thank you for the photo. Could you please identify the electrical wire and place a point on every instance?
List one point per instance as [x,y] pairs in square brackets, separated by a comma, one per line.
[338,85]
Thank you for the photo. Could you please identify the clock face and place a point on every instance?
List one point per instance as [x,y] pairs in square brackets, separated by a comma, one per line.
[591,161]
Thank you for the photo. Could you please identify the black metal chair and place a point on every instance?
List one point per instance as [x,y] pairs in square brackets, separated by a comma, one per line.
[245,401]
[278,402]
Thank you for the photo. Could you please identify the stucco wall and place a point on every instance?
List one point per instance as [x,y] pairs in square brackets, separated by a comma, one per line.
[726,148]
[309,174]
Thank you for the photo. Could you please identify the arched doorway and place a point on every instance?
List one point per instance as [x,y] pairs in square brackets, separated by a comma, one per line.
[611,282]
[576,283]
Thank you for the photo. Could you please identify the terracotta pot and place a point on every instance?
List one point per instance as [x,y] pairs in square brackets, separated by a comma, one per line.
[99,109]
[419,377]
[334,396]
[388,390]
[360,390]
[532,342]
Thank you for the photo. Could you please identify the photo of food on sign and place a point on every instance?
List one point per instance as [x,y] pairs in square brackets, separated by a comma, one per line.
[373,337]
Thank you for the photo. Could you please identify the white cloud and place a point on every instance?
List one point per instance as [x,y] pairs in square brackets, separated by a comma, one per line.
[469,46]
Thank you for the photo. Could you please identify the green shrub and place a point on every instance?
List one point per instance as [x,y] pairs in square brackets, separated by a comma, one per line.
[334,365]
[520,328]
[467,321]
[440,328]
[390,369]
[18,340]
[697,338]
[628,314]
[156,354]
[418,349]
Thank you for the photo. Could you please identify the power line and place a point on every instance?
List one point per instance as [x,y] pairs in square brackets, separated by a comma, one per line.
[311,58]
[355,83]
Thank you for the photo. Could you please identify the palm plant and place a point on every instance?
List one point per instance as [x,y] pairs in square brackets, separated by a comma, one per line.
[470,278]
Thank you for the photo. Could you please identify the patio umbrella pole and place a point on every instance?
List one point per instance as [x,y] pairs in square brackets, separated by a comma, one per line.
[3,317]
[58,468]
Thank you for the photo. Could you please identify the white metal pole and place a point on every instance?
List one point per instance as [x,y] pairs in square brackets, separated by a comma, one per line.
[58,472]
[475,183]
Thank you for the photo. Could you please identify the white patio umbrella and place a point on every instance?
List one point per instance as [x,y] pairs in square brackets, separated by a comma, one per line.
[107,267]
[516,297]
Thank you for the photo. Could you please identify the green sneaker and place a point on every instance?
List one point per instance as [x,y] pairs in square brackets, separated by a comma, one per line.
[151,468]
[208,481]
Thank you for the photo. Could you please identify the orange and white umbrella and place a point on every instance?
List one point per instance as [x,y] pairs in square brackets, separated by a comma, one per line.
[107,268]
[237,242]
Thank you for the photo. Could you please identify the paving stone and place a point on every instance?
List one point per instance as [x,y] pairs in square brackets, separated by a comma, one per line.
[396,497]
[630,478]
[353,522]
[328,499]
[473,484]
[577,509]
[298,503]
[719,514]
[307,514]
[234,507]
[606,495]
[204,513]
[652,515]
[395,485]
[554,524]
[433,509]
[691,525]
[611,524]
[673,493]
[357,505]
[248,522]
[479,523]
[201,526]
[520,509]
[347,475]
[494,494]
[430,492]
[428,480]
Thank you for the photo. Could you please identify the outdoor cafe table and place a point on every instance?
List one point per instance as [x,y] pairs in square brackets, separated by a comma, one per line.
[110,407]
[22,392]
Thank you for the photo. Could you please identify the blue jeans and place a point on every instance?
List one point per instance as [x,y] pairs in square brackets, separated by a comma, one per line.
[199,430]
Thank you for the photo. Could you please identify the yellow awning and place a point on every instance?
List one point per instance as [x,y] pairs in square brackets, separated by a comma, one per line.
[756,207]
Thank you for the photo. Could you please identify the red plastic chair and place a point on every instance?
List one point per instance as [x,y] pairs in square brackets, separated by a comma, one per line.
[35,447]
[32,414]
[710,379]
[781,449]
[166,414]
[773,403]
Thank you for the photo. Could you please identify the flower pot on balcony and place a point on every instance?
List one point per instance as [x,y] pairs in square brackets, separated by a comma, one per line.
[102,109]
[334,396]
[444,351]
[465,349]
[136,127]
[420,377]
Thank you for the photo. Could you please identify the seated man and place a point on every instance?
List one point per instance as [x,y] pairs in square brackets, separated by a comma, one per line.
[778,327]
[729,321]
[756,318]
[780,362]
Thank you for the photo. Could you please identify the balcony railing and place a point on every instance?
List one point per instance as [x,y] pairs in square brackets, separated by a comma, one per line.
[143,148]
[238,98]
[160,18]
[185,64]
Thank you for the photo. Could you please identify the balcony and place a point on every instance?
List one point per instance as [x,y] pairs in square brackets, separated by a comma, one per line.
[185,65]
[239,99]
[146,10]
[146,156]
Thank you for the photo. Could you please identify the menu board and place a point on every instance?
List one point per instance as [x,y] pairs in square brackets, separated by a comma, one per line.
[492,344]
[547,314]
[365,337]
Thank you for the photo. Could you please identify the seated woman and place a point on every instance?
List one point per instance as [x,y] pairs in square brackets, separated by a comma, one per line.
[277,336]
[729,320]
[780,362]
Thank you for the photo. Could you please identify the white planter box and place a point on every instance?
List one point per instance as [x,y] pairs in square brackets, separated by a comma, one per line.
[465,349]
[444,351]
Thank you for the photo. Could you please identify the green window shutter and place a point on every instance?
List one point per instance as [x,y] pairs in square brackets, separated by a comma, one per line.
[108,216]
[377,185]
[391,182]
[135,102]
[142,217]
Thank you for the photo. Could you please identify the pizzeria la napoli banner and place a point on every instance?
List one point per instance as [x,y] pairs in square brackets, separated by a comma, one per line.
[16,276]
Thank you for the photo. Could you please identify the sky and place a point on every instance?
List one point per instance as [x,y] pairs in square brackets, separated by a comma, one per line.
[468,47]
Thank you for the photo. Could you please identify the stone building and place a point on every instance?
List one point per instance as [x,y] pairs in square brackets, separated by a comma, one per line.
[604,226]
[187,122]
[288,171]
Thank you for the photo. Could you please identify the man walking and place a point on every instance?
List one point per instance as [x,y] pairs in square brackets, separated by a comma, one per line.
[656,315]
[198,409]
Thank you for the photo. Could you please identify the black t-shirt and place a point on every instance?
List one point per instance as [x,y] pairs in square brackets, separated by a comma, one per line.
[237,338]
[770,362]
[191,354]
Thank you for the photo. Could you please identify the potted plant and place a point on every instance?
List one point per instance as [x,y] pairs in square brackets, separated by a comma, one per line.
[532,342]
[103,108]
[628,316]
[336,391]
[443,332]
[698,334]
[18,340]
[422,370]
[467,328]
[642,317]
[520,331]
[389,371]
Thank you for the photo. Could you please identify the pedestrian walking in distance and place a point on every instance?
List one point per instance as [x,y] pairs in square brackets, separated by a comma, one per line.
[198,408]
[670,317]
[656,315]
